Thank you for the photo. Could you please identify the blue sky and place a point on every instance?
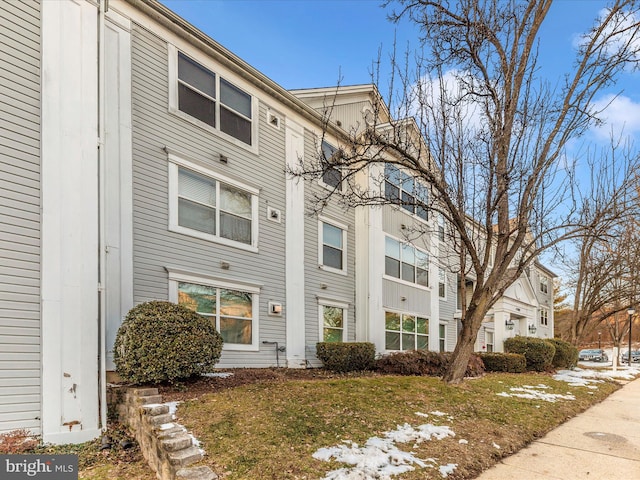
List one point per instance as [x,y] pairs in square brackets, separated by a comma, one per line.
[314,43]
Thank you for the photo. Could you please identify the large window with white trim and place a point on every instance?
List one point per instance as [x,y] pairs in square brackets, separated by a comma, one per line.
[210,206]
[406,332]
[202,95]
[544,284]
[333,321]
[406,191]
[406,262]
[232,308]
[442,284]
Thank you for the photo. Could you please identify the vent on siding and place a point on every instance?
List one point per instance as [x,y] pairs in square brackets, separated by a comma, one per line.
[273,120]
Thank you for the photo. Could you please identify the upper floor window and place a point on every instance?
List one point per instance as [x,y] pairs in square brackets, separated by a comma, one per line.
[212,100]
[406,262]
[332,176]
[204,205]
[544,284]
[333,240]
[442,283]
[406,332]
[441,224]
[409,193]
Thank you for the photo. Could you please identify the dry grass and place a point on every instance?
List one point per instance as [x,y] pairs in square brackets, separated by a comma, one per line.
[270,430]
[266,424]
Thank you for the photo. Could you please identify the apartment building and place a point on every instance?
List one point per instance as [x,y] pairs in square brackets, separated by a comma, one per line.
[141,160]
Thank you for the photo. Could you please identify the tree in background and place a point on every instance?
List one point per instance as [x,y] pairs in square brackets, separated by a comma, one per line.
[472,118]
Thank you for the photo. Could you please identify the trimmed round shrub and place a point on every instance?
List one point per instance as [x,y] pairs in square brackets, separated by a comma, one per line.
[162,341]
[538,353]
[566,355]
[347,356]
[504,362]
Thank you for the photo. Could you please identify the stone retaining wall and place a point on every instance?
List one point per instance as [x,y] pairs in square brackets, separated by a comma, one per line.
[166,445]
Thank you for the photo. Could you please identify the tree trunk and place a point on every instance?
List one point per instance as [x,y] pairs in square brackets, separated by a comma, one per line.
[464,348]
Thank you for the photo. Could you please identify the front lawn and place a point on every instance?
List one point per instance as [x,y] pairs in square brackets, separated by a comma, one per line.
[271,430]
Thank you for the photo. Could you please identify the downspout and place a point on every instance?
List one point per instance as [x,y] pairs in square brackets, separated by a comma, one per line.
[102,247]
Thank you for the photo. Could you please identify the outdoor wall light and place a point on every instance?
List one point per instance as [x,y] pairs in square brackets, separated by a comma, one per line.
[532,329]
[509,324]
[275,308]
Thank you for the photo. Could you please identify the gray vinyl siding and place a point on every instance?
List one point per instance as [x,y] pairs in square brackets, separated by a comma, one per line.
[20,345]
[154,246]
[338,288]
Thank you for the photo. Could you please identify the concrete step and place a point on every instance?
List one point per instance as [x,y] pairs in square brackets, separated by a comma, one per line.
[185,457]
[155,409]
[196,473]
[178,442]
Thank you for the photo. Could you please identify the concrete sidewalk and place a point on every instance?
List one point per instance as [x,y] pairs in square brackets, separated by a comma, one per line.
[600,444]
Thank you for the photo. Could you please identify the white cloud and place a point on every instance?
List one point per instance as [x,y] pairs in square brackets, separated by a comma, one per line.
[620,117]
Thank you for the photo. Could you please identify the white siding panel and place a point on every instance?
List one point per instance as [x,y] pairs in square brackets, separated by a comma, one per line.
[20,216]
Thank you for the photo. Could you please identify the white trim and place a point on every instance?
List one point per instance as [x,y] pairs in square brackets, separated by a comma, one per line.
[172,53]
[173,164]
[176,276]
[442,324]
[322,220]
[401,313]
[69,227]
[325,302]
[294,221]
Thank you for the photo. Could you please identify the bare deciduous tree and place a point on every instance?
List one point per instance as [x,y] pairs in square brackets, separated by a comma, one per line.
[471,117]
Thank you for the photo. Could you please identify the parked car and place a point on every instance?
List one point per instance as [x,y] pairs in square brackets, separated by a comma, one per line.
[593,355]
[635,356]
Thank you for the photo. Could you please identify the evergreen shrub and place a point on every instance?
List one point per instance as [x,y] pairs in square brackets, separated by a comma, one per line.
[162,341]
[504,362]
[538,353]
[347,356]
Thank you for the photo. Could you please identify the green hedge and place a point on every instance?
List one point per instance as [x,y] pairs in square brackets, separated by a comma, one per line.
[538,353]
[504,362]
[346,357]
[424,363]
[566,355]
[162,341]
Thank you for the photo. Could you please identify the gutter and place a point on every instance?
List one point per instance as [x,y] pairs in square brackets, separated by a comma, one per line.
[102,370]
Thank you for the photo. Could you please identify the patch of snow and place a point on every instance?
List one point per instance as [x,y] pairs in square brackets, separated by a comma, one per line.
[173,406]
[218,374]
[380,457]
[167,426]
[462,441]
[420,414]
[533,393]
[495,445]
[584,377]
[445,470]
[438,414]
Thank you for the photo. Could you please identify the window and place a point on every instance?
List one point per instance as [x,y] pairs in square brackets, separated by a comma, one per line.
[405,262]
[211,207]
[442,284]
[333,241]
[441,227]
[406,332]
[544,284]
[489,341]
[333,318]
[332,176]
[404,190]
[442,337]
[544,317]
[232,309]
[205,96]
